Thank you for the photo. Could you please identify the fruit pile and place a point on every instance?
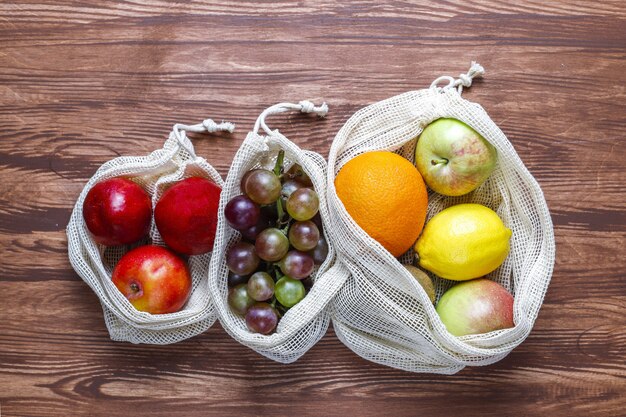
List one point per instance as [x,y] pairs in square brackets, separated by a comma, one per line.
[282,242]
[282,239]
[386,196]
[154,279]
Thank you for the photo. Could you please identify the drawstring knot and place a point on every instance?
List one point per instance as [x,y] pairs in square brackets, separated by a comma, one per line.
[464,80]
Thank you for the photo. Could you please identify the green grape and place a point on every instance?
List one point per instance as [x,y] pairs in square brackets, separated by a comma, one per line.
[289,292]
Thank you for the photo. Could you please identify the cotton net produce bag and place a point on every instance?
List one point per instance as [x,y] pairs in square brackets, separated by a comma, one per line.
[94,263]
[381,312]
[306,322]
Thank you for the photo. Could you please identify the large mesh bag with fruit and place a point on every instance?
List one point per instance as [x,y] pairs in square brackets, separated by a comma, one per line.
[446,235]
[271,275]
[141,236]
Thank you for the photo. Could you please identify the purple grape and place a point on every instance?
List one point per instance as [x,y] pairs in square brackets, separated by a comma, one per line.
[263,223]
[239,300]
[260,286]
[304,235]
[242,258]
[251,233]
[303,204]
[289,187]
[296,264]
[244,179]
[308,283]
[296,173]
[261,318]
[271,244]
[241,212]
[320,252]
[317,219]
[270,212]
[263,186]
[235,279]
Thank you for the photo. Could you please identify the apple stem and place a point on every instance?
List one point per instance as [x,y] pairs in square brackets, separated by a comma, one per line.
[134,287]
[439,161]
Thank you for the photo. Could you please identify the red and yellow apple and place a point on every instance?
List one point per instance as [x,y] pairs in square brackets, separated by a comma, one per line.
[153,279]
[476,306]
[186,215]
[453,158]
[117,211]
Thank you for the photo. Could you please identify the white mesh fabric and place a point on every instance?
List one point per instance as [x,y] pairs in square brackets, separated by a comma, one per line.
[381,312]
[94,263]
[306,322]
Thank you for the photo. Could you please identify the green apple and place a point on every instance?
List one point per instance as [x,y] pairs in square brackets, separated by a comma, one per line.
[453,158]
[476,306]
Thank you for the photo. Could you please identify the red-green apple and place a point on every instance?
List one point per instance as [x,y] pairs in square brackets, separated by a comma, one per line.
[153,279]
[186,215]
[476,306]
[117,211]
[453,158]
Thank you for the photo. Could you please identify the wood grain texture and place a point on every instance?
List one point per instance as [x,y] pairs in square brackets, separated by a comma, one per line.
[83,82]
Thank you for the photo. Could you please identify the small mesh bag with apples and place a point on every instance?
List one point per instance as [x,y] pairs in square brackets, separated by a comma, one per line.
[381,312]
[307,321]
[94,263]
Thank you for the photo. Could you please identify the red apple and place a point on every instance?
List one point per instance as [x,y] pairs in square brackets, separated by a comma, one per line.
[186,215]
[153,279]
[476,306]
[117,211]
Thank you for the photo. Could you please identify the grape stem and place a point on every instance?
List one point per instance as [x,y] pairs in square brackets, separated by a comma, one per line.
[285,229]
[279,275]
[279,163]
[278,167]
[281,212]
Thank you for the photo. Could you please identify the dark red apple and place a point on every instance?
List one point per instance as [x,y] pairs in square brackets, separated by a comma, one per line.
[153,279]
[186,215]
[117,211]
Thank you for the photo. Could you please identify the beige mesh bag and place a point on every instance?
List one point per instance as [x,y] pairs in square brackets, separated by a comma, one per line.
[381,313]
[305,323]
[94,263]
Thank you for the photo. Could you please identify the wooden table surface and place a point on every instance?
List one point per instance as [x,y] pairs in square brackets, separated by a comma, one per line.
[83,82]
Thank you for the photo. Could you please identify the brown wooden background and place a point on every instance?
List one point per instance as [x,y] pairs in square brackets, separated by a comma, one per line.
[83,82]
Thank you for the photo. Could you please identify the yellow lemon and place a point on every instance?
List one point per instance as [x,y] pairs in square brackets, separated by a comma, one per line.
[463,242]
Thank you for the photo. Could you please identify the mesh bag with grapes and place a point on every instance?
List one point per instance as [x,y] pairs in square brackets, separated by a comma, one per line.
[95,262]
[271,275]
[382,312]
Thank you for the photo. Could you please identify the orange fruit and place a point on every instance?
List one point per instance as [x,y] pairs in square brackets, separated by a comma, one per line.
[386,196]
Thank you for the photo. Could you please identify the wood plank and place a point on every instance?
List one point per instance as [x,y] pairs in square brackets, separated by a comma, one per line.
[80,364]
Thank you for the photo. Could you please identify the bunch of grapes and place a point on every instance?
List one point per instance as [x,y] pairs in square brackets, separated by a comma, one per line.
[277,216]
